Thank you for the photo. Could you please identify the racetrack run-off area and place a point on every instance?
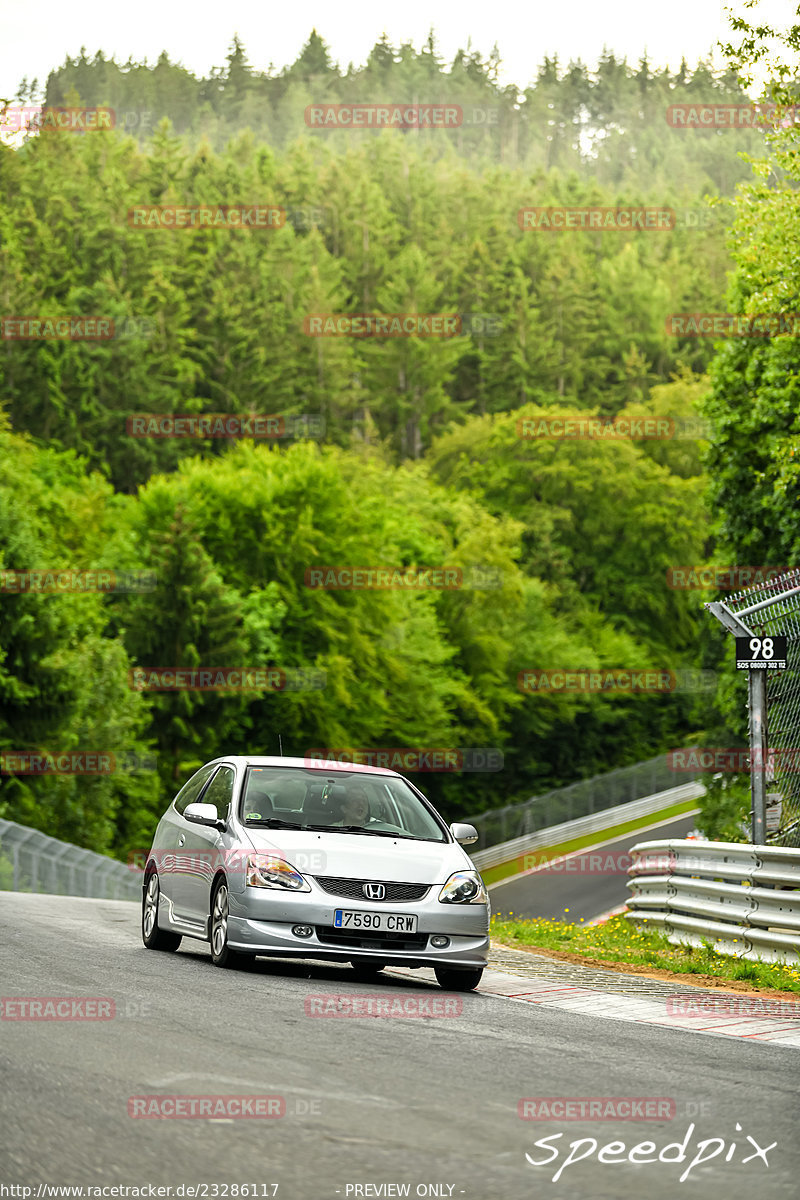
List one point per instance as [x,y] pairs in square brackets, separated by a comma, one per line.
[368,1100]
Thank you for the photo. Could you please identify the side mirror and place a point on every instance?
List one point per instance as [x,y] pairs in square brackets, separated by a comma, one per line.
[465,835]
[203,814]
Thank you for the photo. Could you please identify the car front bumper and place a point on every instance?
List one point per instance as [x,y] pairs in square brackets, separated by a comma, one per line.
[261,921]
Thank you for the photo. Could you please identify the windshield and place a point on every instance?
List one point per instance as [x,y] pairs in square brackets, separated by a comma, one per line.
[338,801]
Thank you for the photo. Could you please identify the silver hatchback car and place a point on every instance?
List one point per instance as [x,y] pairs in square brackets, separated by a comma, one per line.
[329,860]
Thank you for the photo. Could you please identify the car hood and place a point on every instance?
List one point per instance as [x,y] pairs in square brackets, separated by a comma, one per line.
[359,856]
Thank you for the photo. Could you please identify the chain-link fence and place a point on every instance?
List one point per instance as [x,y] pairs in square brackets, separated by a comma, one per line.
[771,609]
[30,861]
[578,800]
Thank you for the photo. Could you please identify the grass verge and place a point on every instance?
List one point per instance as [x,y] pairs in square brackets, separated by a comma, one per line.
[620,941]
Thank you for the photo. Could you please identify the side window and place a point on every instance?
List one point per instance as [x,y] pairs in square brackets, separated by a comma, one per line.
[191,790]
[220,791]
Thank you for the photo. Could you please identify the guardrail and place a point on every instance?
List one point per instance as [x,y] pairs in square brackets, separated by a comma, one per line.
[744,899]
[581,799]
[555,835]
[31,861]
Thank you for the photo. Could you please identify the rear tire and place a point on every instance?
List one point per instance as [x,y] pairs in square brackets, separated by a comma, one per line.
[221,953]
[454,980]
[153,937]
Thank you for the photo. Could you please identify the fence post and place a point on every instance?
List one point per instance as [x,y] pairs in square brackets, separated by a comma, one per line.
[758,754]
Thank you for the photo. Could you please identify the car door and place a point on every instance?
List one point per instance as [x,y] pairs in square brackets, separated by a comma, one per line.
[169,843]
[200,850]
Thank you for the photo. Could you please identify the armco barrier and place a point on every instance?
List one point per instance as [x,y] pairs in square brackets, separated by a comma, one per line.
[609,818]
[744,899]
[580,799]
[31,861]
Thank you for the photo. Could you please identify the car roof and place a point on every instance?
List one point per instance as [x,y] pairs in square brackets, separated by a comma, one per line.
[327,765]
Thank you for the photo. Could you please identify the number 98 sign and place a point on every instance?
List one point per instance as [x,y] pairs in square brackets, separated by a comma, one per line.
[761,653]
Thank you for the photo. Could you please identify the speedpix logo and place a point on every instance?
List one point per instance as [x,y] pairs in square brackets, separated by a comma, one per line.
[617,1152]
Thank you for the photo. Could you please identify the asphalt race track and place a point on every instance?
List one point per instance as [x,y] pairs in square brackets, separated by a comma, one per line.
[585,884]
[429,1102]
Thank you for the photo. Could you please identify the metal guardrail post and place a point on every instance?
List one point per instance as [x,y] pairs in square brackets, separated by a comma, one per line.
[757,693]
[55,862]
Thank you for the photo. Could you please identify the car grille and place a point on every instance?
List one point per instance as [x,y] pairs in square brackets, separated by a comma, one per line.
[383,941]
[353,889]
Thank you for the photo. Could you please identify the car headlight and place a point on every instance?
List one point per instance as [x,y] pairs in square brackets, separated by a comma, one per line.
[272,871]
[464,887]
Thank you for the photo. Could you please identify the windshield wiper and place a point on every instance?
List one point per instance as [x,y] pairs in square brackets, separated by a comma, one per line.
[346,829]
[275,823]
[408,837]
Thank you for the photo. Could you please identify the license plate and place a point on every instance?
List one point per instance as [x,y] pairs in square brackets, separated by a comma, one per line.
[344,918]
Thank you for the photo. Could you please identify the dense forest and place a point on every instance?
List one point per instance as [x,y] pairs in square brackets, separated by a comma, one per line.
[393,452]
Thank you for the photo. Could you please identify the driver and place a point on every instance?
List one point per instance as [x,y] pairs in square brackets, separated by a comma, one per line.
[355,809]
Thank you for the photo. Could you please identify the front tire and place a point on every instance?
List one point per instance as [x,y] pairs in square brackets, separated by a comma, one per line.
[153,937]
[453,980]
[221,953]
